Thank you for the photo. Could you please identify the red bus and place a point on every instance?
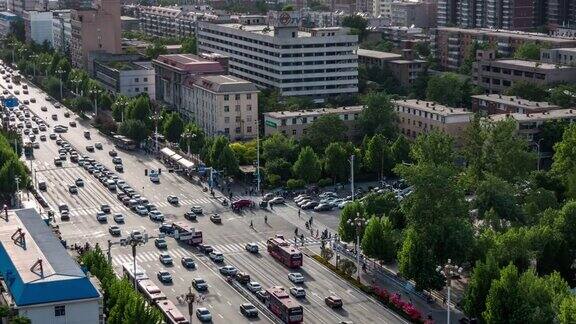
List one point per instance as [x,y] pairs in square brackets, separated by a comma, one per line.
[186,233]
[283,251]
[280,303]
[150,290]
[171,312]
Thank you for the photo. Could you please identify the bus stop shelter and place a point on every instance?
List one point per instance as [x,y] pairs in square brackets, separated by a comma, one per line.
[166,154]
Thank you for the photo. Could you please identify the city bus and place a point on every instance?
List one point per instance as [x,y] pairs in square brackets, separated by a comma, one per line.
[123,142]
[186,233]
[150,290]
[128,270]
[283,251]
[280,303]
[171,312]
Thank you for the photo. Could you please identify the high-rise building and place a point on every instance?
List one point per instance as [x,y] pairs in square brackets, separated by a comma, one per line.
[95,29]
[446,13]
[19,6]
[61,31]
[38,26]
[317,62]
[561,13]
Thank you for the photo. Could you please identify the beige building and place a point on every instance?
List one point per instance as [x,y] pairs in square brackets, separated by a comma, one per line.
[528,125]
[491,104]
[403,67]
[222,105]
[295,123]
[417,117]
[564,56]
[95,30]
[496,75]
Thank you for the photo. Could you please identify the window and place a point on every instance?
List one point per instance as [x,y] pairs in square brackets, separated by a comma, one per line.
[145,79]
[136,80]
[293,132]
[237,108]
[304,120]
[137,89]
[283,122]
[237,96]
[146,89]
[226,97]
[226,108]
[249,129]
[226,120]
[226,130]
[237,130]
[249,107]
[60,310]
[237,119]
[249,96]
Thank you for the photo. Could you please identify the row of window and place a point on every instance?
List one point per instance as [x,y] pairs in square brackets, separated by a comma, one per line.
[237,96]
[420,113]
[238,119]
[237,130]
[526,74]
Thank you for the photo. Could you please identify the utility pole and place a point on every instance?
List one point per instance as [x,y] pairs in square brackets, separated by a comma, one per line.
[449,270]
[60,72]
[352,175]
[258,155]
[17,179]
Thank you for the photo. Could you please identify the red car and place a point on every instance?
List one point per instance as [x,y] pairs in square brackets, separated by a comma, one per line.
[242,203]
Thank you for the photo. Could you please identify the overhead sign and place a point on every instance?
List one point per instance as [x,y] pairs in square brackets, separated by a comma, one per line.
[270,123]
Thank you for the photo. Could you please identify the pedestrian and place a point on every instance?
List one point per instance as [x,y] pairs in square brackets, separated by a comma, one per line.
[251,224]
[299,213]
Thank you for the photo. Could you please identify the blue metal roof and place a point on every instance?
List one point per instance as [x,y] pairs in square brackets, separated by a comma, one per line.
[62,279]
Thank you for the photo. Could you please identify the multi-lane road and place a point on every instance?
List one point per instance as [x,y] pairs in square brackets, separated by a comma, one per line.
[230,237]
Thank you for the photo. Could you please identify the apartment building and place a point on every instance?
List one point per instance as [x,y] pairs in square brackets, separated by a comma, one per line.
[295,123]
[6,21]
[529,125]
[564,56]
[38,26]
[95,30]
[126,74]
[451,45]
[312,19]
[496,75]
[173,71]
[172,21]
[417,117]
[40,280]
[222,105]
[18,7]
[404,68]
[490,104]
[316,62]
[413,14]
[61,31]
[561,13]
[399,36]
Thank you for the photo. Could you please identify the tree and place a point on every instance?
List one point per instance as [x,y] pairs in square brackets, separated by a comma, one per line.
[279,146]
[105,101]
[420,85]
[245,152]
[17,29]
[279,167]
[336,161]
[384,205]
[173,127]
[564,162]
[472,150]
[9,170]
[551,132]
[357,24]
[378,116]
[446,89]
[323,131]
[389,241]
[227,161]
[567,314]
[82,104]
[416,260]
[474,301]
[217,146]
[189,45]
[52,86]
[563,95]
[139,109]
[378,156]
[528,51]
[194,137]
[134,129]
[499,195]
[434,148]
[307,167]
[527,90]
[18,319]
[346,231]
[372,238]
[156,49]
[401,150]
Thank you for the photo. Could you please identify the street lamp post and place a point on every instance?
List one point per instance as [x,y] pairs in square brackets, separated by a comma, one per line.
[17,180]
[359,223]
[538,153]
[449,270]
[60,73]
[95,93]
[33,57]
[190,297]
[352,175]
[257,156]
[76,83]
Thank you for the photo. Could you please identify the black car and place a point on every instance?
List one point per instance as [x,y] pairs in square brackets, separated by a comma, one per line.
[166,228]
[248,310]
[188,263]
[190,216]
[205,248]
[261,295]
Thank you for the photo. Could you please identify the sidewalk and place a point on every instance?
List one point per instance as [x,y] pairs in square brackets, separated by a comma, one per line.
[385,279]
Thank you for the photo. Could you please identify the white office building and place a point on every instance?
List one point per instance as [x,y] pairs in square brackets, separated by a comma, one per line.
[38,26]
[316,62]
[61,31]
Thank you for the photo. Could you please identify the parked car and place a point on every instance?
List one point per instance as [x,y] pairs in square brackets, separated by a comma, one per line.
[205,248]
[114,230]
[276,201]
[323,207]
[118,218]
[310,205]
[101,217]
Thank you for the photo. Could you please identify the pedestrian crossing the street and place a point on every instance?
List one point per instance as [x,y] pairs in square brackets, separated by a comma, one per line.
[179,252]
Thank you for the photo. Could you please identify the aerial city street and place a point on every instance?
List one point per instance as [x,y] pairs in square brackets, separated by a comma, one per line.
[287,162]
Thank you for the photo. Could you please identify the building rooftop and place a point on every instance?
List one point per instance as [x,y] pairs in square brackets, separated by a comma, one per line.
[378,54]
[516,101]
[432,107]
[534,117]
[534,64]
[509,33]
[189,63]
[7,14]
[127,66]
[225,83]
[38,269]
[313,112]
[269,30]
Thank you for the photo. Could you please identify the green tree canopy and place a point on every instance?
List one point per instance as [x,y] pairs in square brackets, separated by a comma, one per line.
[346,231]
[279,146]
[155,50]
[189,45]
[498,195]
[378,156]
[447,89]
[527,90]
[474,301]
[336,161]
[323,131]
[563,95]
[173,127]
[194,136]
[378,116]
[307,167]
[134,129]
[358,25]
[401,150]
[372,239]
[227,161]
[528,51]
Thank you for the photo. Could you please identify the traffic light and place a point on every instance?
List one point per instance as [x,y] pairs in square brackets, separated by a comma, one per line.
[146,172]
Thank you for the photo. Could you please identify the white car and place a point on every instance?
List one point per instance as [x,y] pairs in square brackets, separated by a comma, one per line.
[216,256]
[141,210]
[137,235]
[118,218]
[203,314]
[228,270]
[276,201]
[253,286]
[252,247]
[156,215]
[173,200]
[165,258]
[296,277]
[298,292]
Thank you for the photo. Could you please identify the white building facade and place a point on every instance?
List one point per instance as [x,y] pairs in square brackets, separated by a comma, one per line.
[317,62]
[38,26]
[61,31]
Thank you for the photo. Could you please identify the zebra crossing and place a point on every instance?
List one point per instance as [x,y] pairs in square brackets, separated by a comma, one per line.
[179,252]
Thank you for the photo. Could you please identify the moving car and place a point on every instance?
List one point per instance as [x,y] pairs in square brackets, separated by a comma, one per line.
[90,148]
[333,301]
[136,235]
[196,210]
[203,314]
[216,256]
[298,292]
[98,145]
[79,182]
[165,259]
[160,243]
[242,277]
[173,200]
[190,216]
[112,153]
[199,284]
[188,263]
[73,189]
[114,230]
[252,247]
[253,286]
[164,276]
[205,248]
[228,270]
[296,277]
[248,310]
[118,218]
[216,219]
[276,201]
[242,203]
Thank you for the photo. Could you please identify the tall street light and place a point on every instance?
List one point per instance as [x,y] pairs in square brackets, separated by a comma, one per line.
[17,180]
[352,176]
[33,57]
[76,82]
[359,223]
[257,155]
[188,136]
[449,271]
[60,72]
[95,92]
